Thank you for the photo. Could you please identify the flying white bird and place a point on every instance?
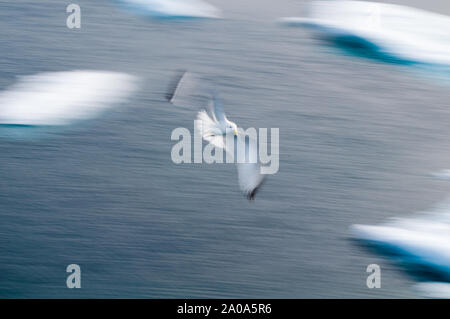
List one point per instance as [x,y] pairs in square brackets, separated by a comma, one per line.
[215,129]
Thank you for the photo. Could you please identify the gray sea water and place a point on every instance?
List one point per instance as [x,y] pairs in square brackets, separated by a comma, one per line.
[359,139]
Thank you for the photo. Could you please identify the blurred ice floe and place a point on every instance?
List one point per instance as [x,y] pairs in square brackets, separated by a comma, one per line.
[173,8]
[398,33]
[51,99]
[421,243]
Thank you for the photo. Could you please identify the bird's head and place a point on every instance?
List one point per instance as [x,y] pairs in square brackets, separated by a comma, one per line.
[231,128]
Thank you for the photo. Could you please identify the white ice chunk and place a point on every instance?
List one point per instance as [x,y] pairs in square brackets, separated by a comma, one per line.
[62,97]
[174,8]
[402,32]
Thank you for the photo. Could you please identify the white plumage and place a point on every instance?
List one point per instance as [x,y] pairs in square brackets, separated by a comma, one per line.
[215,128]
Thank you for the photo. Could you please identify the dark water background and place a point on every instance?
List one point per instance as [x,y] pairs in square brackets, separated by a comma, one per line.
[359,139]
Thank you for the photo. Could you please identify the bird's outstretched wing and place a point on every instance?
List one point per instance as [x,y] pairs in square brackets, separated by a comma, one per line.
[250,179]
[185,90]
[175,85]
[248,167]
[216,106]
[209,129]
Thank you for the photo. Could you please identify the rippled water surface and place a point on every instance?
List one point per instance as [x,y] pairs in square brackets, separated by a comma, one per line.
[359,139]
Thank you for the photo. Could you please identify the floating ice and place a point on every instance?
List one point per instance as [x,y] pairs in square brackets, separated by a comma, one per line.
[390,31]
[62,97]
[421,240]
[174,8]
[428,244]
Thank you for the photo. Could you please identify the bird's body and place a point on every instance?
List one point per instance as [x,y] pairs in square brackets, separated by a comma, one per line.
[216,128]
